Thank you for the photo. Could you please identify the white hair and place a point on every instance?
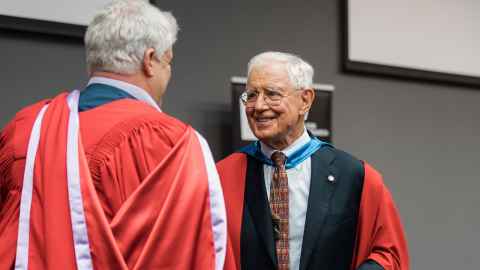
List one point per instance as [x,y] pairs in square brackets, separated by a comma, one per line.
[299,71]
[119,34]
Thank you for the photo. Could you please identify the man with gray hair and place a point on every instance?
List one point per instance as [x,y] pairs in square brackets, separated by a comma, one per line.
[101,178]
[295,202]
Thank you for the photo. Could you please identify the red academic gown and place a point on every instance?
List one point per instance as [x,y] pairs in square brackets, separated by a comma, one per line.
[145,191]
[379,234]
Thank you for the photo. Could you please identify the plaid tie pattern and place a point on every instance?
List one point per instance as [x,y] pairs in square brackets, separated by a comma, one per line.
[279,208]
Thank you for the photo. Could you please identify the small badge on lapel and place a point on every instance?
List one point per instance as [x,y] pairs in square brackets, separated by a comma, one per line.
[331,178]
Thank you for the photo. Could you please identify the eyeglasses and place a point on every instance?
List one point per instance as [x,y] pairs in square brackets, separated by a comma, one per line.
[161,59]
[165,62]
[271,97]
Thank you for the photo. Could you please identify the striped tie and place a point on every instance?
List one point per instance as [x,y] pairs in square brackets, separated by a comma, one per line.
[279,207]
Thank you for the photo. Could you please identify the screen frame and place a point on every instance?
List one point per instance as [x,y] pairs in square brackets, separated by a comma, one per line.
[368,68]
[44,26]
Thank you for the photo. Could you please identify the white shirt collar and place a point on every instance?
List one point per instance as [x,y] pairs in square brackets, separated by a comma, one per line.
[135,91]
[289,150]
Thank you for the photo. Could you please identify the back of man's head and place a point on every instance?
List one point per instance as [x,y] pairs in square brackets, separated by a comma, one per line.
[119,34]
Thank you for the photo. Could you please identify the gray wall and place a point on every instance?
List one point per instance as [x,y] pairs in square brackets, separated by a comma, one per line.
[423,137]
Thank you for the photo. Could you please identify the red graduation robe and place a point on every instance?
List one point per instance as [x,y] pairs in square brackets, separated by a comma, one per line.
[379,234]
[145,191]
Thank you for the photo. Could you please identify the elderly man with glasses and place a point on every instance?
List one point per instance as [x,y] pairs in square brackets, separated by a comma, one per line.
[295,202]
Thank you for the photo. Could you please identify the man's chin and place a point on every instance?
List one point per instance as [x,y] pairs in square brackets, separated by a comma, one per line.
[264,135]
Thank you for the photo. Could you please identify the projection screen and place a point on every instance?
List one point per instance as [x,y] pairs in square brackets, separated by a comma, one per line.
[423,39]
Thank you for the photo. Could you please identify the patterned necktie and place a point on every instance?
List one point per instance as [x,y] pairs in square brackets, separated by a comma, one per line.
[279,207]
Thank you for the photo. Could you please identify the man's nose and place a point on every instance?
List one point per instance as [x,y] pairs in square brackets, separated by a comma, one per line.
[260,103]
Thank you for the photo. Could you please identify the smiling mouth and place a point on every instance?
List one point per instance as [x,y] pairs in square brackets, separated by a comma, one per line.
[264,120]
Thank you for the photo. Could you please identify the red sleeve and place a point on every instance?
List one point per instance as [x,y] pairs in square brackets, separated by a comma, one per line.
[232,172]
[7,157]
[13,147]
[380,234]
[9,201]
[127,154]
[13,144]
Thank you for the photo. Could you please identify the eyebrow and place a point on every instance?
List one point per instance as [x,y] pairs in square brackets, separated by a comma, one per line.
[268,88]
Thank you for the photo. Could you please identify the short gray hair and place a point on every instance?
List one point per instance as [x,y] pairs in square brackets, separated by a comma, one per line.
[119,34]
[299,71]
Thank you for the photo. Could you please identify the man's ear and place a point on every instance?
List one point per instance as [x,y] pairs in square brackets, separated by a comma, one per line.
[148,61]
[307,96]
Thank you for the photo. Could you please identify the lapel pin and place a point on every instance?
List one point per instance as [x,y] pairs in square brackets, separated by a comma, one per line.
[331,178]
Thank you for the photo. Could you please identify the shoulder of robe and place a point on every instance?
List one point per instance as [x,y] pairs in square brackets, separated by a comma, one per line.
[232,161]
[16,133]
[374,178]
[126,122]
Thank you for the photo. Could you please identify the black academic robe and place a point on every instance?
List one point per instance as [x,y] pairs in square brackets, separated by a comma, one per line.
[346,226]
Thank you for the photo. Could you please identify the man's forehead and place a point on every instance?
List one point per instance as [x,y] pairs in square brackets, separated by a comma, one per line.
[271,66]
[270,73]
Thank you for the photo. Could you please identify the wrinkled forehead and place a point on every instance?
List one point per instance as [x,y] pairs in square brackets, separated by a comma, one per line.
[267,75]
